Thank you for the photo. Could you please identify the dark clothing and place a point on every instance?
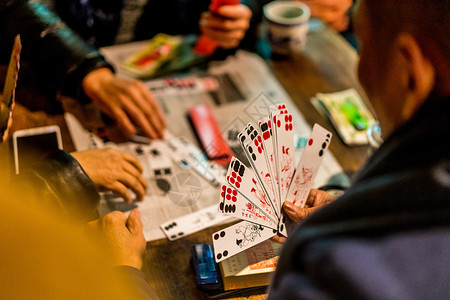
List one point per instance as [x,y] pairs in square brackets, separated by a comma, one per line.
[61,58]
[97,21]
[388,236]
[61,182]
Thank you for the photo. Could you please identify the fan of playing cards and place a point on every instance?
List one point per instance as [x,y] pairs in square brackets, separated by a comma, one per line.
[256,194]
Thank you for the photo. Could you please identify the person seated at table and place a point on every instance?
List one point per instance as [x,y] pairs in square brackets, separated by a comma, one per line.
[69,67]
[388,235]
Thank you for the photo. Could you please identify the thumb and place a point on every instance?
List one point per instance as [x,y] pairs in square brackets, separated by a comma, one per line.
[134,223]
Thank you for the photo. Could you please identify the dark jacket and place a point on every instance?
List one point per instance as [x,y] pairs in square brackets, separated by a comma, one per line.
[388,236]
[97,21]
[60,183]
[61,58]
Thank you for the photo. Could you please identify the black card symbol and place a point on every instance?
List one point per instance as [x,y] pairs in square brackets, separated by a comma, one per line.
[238,242]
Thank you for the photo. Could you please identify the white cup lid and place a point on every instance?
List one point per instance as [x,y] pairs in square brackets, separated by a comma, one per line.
[286,12]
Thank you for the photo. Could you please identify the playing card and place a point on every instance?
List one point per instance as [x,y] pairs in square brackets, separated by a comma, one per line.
[309,164]
[192,223]
[282,230]
[255,148]
[234,204]
[284,150]
[244,181]
[239,237]
[265,126]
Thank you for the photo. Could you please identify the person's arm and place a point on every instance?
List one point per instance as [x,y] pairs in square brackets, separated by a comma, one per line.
[77,70]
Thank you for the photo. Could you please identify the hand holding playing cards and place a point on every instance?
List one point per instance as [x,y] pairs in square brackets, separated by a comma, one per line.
[126,101]
[228,26]
[123,236]
[316,200]
[113,170]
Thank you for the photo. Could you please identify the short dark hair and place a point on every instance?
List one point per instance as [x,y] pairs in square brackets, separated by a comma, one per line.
[427,20]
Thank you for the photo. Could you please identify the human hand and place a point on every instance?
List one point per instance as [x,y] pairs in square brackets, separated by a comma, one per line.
[316,200]
[126,101]
[113,170]
[331,12]
[228,26]
[123,236]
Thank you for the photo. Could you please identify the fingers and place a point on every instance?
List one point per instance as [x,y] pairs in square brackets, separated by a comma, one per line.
[142,107]
[317,197]
[128,102]
[121,190]
[278,239]
[132,160]
[134,223]
[228,26]
[297,214]
[239,11]
[157,112]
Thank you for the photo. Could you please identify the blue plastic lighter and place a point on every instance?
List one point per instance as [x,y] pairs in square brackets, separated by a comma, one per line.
[206,269]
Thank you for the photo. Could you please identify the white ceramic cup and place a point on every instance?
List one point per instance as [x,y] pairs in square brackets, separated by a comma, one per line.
[287,26]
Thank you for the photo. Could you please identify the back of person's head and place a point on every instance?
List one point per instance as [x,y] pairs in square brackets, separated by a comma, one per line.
[427,20]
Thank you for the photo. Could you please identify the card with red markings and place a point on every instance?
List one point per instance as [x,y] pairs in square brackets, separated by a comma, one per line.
[236,205]
[244,181]
[256,194]
[309,164]
[255,149]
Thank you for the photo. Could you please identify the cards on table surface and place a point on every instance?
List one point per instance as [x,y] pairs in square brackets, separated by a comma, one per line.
[191,223]
[256,194]
[188,156]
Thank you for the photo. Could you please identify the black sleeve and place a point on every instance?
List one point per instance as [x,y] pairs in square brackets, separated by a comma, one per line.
[60,56]
[61,182]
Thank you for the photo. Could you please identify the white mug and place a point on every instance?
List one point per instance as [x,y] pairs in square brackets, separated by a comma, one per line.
[287,25]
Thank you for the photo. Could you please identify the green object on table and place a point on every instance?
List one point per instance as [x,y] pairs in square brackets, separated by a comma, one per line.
[351,112]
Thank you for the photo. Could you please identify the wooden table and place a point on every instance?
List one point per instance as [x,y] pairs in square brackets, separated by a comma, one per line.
[328,64]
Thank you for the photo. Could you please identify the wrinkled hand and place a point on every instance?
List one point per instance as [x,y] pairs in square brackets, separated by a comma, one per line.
[126,101]
[123,236]
[316,200]
[331,12]
[228,26]
[113,170]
